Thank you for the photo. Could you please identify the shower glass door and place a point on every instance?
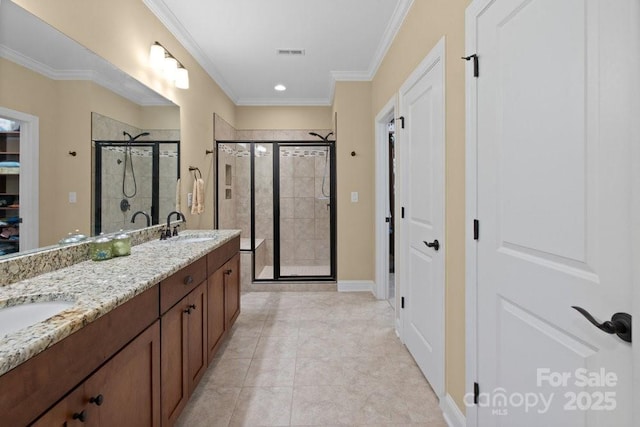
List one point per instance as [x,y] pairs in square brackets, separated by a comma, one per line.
[305,211]
[280,194]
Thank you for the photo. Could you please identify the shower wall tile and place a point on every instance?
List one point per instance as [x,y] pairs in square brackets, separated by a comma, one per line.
[304,250]
[303,187]
[287,207]
[322,250]
[322,209]
[304,229]
[223,131]
[304,167]
[286,167]
[322,229]
[304,207]
[287,229]
[287,250]
[264,227]
[286,188]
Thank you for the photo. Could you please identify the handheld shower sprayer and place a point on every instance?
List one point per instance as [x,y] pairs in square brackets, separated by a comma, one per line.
[129,159]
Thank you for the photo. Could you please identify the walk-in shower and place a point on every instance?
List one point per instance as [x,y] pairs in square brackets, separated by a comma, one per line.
[281,195]
[130,176]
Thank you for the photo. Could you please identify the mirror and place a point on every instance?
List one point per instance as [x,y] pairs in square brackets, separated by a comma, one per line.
[51,86]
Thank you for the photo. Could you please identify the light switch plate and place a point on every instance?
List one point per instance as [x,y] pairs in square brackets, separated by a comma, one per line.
[189,199]
[354,197]
[73,197]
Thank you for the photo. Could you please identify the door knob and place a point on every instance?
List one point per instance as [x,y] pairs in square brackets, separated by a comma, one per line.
[435,244]
[620,323]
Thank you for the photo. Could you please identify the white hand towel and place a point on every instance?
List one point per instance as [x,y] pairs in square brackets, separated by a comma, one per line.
[178,200]
[197,205]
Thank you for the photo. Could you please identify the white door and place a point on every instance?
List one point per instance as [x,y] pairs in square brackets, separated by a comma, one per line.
[422,156]
[554,139]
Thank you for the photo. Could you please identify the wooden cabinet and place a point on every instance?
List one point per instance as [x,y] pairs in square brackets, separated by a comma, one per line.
[216,316]
[138,364]
[231,272]
[123,392]
[197,361]
[183,353]
[223,286]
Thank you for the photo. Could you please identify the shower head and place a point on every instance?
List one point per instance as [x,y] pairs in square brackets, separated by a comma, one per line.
[133,138]
[324,138]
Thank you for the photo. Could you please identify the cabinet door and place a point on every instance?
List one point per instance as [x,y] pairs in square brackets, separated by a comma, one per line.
[215,309]
[126,391]
[173,361]
[197,329]
[71,411]
[232,290]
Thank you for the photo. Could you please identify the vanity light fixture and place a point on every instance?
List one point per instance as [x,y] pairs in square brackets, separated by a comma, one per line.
[280,87]
[163,61]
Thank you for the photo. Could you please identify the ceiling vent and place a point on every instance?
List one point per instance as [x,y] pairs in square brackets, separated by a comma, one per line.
[290,52]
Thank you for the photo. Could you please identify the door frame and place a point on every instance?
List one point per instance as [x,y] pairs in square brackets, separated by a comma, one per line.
[386,114]
[471,209]
[29,177]
[475,9]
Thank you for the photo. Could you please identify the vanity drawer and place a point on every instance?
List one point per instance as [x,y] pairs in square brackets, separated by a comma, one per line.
[175,287]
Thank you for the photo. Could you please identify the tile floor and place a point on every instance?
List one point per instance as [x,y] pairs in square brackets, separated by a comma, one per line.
[313,359]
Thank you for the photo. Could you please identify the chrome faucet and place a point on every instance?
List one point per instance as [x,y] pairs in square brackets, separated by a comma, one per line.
[133,217]
[175,231]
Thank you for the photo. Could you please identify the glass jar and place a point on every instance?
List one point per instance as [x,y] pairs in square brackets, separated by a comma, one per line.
[100,248]
[121,244]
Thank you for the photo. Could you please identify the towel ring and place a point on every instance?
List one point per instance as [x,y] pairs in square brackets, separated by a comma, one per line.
[193,169]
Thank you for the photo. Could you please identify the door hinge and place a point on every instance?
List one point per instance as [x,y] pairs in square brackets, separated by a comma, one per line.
[476,229]
[476,393]
[402,302]
[402,212]
[476,71]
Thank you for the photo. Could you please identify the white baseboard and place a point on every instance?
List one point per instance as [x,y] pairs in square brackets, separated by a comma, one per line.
[356,286]
[452,414]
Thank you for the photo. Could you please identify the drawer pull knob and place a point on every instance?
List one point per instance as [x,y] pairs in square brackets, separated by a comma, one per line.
[189,308]
[80,416]
[228,272]
[188,280]
[98,400]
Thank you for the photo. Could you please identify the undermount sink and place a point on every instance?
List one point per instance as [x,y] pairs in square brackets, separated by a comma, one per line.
[22,315]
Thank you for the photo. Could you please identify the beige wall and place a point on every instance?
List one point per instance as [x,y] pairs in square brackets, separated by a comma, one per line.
[427,22]
[284,118]
[356,238]
[64,110]
[121,31]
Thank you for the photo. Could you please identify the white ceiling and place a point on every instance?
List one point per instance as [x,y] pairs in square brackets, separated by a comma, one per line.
[236,41]
[34,44]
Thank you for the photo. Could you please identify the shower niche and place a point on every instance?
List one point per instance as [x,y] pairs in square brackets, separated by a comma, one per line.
[283,201]
[136,172]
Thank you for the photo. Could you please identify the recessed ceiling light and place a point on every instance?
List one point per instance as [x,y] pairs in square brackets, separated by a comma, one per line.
[280,87]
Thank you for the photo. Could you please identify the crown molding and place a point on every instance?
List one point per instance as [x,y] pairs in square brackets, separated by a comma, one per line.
[169,20]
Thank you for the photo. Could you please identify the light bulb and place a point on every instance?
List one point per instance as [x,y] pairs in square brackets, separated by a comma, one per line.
[170,68]
[182,78]
[156,56]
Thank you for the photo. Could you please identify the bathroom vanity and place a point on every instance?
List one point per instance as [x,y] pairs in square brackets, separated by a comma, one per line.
[136,342]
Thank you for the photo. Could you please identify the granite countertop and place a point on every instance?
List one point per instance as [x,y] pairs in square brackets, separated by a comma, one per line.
[97,288]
